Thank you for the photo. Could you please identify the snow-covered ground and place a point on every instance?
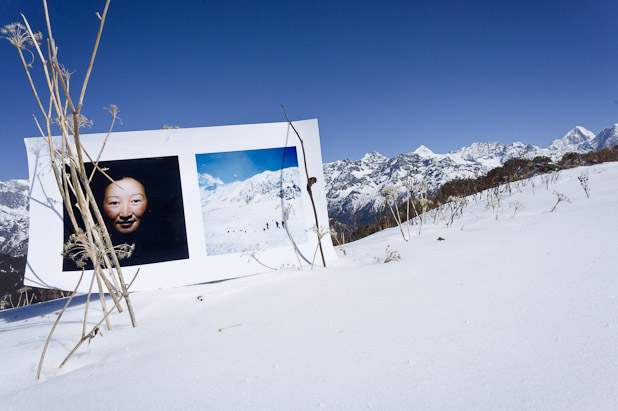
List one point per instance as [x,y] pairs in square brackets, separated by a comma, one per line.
[518,313]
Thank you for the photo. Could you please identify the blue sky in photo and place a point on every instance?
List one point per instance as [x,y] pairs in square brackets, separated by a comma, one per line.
[385,76]
[239,165]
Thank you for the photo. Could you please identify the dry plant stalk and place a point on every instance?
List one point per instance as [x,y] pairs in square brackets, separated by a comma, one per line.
[320,232]
[456,206]
[560,197]
[391,193]
[92,241]
[516,206]
[408,183]
[286,209]
[583,180]
[424,202]
[310,181]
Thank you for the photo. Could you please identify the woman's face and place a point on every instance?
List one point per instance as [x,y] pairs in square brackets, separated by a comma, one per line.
[124,204]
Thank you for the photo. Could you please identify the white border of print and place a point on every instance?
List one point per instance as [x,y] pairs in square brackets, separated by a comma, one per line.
[44,266]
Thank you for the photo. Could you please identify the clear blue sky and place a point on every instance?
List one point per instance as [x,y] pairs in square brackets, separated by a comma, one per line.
[385,76]
[240,165]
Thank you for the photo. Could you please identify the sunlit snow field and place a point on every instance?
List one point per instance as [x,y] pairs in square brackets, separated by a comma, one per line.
[514,313]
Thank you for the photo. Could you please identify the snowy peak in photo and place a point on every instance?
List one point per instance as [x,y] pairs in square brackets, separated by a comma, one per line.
[265,186]
[209,182]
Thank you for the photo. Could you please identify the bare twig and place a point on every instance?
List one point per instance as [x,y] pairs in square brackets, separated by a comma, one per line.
[93,332]
[229,326]
[38,371]
[310,181]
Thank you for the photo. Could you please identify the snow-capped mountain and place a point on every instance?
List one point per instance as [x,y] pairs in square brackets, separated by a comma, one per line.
[577,140]
[354,188]
[493,154]
[14,217]
[606,138]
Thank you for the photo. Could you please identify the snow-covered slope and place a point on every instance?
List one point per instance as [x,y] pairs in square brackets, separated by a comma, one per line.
[14,217]
[516,313]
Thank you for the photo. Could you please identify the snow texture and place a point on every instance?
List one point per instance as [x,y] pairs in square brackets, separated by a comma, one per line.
[515,313]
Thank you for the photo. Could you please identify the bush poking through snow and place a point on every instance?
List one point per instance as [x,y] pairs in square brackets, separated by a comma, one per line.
[408,183]
[391,255]
[455,207]
[494,200]
[583,180]
[424,203]
[516,206]
[560,197]
[391,198]
[320,232]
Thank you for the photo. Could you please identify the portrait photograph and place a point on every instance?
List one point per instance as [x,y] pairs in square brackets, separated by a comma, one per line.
[251,200]
[142,206]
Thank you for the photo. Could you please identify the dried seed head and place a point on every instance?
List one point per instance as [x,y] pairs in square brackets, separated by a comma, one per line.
[18,36]
[80,247]
[390,191]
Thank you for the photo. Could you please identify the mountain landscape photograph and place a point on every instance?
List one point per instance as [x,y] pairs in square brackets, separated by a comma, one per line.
[246,214]
[466,159]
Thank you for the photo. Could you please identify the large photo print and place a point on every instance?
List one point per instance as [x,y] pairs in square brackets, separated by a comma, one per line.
[250,200]
[141,203]
[199,204]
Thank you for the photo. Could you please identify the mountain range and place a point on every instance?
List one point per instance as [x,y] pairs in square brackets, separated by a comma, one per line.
[354,187]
